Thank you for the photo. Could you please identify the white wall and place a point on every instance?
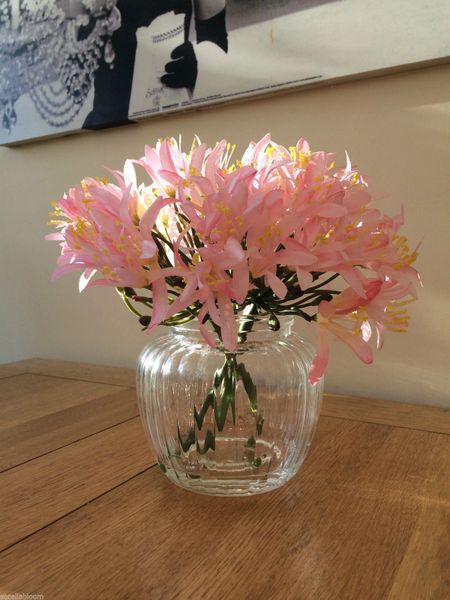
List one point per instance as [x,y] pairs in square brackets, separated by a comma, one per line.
[396,128]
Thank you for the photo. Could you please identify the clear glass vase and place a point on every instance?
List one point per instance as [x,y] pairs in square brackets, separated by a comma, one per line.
[229,424]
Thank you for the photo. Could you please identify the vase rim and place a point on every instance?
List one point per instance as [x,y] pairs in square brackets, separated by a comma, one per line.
[257,324]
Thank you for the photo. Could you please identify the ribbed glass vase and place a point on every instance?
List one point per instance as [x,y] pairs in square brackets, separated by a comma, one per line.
[229,424]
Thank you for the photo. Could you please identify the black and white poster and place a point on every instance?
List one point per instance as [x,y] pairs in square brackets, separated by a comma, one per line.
[67,65]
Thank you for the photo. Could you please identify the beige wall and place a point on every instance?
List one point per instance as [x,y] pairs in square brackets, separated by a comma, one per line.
[396,128]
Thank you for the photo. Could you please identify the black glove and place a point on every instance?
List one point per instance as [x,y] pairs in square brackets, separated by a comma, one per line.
[180,6]
[182,71]
[140,13]
[213,30]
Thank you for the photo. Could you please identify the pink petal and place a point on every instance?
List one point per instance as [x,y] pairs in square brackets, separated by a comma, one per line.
[149,249]
[100,283]
[207,335]
[129,174]
[228,328]
[186,298]
[302,146]
[212,309]
[157,274]
[361,348]
[191,213]
[160,303]
[380,335]
[254,149]
[170,177]
[85,278]
[330,210]
[230,257]
[166,156]
[151,214]
[354,278]
[366,331]
[295,257]
[305,279]
[234,249]
[240,282]
[152,158]
[197,158]
[54,236]
[212,162]
[300,254]
[70,268]
[320,362]
[348,164]
[276,284]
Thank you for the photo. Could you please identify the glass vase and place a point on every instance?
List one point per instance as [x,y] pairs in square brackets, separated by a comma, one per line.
[229,423]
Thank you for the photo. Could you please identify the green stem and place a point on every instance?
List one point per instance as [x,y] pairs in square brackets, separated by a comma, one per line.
[222,397]
[319,285]
[128,303]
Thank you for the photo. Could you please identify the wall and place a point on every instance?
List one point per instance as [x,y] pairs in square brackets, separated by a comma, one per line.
[396,128]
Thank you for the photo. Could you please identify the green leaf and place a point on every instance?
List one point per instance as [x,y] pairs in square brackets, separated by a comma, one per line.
[219,375]
[259,424]
[188,441]
[226,395]
[208,403]
[274,323]
[251,442]
[210,442]
[249,386]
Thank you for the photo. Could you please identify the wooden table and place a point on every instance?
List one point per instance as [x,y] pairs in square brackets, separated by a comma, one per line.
[86,514]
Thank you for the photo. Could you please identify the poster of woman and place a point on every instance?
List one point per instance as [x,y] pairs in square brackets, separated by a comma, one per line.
[68,65]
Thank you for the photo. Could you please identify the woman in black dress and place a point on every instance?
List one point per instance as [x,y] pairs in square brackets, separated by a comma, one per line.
[113,83]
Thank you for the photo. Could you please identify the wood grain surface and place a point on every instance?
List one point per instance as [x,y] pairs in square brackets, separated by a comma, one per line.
[366,518]
[399,414]
[41,491]
[30,397]
[71,370]
[424,418]
[35,437]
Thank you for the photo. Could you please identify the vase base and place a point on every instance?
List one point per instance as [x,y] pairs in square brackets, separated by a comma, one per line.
[229,487]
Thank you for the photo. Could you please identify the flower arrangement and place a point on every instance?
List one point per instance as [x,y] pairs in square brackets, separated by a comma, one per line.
[281,231]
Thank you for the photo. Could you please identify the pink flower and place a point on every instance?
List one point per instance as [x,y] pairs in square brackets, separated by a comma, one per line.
[209,237]
[100,234]
[348,317]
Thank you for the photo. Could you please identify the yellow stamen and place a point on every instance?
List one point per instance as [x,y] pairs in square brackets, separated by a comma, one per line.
[170,192]
[271,230]
[304,159]
[406,257]
[355,178]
